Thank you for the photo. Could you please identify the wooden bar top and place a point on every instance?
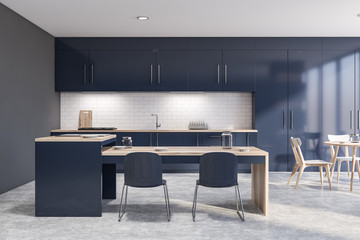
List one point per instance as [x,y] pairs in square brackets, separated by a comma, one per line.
[73,138]
[154,131]
[183,151]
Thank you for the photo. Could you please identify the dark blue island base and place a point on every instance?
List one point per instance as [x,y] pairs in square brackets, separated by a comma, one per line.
[68,176]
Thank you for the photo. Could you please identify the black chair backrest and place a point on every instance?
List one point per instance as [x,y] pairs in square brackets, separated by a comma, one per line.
[218,169]
[143,169]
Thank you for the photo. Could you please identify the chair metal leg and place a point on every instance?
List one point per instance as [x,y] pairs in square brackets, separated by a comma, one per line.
[167,203]
[239,200]
[168,199]
[194,203]
[122,209]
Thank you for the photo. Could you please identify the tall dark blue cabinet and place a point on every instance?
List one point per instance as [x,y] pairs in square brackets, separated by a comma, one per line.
[271,106]
[305,102]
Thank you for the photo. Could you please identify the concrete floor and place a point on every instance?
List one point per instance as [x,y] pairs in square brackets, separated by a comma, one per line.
[310,212]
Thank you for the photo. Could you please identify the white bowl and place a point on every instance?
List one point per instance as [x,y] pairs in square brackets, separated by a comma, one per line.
[161,148]
[244,149]
[119,147]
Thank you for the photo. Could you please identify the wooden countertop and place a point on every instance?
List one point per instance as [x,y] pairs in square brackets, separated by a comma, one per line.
[74,139]
[183,151]
[155,131]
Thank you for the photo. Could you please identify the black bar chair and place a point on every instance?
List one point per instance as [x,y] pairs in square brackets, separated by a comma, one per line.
[219,170]
[143,170]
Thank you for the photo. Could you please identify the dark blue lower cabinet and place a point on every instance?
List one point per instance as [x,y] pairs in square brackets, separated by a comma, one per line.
[245,139]
[138,138]
[177,139]
[210,139]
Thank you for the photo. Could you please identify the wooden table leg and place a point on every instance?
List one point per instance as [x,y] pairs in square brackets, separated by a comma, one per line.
[352,168]
[333,161]
[260,185]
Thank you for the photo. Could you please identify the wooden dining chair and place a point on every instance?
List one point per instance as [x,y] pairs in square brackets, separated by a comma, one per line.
[346,158]
[301,164]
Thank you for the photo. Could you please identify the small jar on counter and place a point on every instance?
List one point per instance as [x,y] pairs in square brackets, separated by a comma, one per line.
[127,142]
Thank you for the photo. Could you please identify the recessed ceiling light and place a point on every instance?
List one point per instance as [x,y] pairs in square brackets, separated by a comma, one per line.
[142,18]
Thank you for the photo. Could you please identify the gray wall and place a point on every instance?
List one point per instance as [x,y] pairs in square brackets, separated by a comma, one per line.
[29,105]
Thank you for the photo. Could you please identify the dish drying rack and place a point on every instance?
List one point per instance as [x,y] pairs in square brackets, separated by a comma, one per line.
[198,125]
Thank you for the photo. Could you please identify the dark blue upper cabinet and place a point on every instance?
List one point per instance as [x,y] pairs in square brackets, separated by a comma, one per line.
[188,70]
[271,106]
[239,70]
[72,70]
[122,70]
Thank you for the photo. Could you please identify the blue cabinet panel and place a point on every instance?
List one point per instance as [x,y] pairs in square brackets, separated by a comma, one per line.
[305,99]
[210,139]
[184,70]
[138,138]
[177,139]
[72,70]
[122,70]
[271,106]
[239,70]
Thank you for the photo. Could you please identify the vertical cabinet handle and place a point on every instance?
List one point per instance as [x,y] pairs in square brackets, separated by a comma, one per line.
[151,74]
[284,119]
[92,74]
[159,73]
[351,119]
[84,74]
[225,70]
[291,119]
[358,116]
[218,71]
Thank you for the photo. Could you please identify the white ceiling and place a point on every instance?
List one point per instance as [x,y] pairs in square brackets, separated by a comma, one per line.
[192,18]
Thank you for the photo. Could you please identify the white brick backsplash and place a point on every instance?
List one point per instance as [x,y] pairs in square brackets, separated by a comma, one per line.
[132,110]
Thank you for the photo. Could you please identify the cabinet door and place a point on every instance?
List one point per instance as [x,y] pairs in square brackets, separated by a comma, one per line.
[138,138]
[210,139]
[239,70]
[338,94]
[177,139]
[71,70]
[188,70]
[305,97]
[271,106]
[122,70]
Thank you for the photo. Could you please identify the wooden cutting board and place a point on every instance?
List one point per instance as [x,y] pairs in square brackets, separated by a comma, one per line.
[85,118]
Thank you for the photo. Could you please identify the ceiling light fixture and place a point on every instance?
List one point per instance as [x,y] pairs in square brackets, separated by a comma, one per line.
[142,18]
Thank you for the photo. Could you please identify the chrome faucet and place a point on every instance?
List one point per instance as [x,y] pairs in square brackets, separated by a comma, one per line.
[157,120]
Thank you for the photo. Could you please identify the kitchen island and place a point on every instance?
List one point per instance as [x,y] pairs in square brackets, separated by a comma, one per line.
[73,174]
[68,173]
